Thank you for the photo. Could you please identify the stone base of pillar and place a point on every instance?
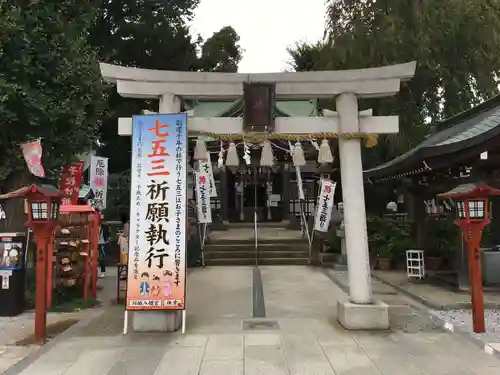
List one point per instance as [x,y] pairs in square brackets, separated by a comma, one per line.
[359,317]
[156,321]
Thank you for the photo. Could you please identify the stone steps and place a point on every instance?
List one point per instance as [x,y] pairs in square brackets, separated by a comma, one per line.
[276,246]
[263,247]
[251,254]
[243,253]
[261,262]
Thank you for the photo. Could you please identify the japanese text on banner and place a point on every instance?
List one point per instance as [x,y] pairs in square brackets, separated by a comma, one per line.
[156,278]
[70,181]
[324,206]
[99,180]
[203,196]
[206,167]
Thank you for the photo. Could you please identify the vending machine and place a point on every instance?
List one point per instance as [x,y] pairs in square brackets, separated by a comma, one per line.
[12,273]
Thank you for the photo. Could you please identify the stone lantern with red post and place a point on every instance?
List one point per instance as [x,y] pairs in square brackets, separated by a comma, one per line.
[43,211]
[471,201]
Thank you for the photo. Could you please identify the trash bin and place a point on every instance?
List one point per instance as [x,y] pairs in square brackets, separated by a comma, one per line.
[12,273]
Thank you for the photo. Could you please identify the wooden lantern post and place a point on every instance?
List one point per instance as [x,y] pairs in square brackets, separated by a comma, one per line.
[43,213]
[471,201]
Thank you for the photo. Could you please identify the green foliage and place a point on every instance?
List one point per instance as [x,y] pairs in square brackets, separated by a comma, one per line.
[442,238]
[69,299]
[334,242]
[152,34]
[456,44]
[388,238]
[221,52]
[49,80]
[118,195]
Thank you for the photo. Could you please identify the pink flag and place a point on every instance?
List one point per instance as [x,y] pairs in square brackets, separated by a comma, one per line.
[32,152]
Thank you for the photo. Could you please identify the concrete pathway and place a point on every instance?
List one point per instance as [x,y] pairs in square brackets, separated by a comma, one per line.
[275,320]
[15,329]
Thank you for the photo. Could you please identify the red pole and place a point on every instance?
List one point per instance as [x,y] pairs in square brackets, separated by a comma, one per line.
[42,236]
[475,275]
[85,270]
[50,269]
[95,252]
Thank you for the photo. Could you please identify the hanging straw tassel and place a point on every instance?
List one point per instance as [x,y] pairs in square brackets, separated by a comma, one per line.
[232,159]
[325,153]
[298,156]
[267,157]
[200,151]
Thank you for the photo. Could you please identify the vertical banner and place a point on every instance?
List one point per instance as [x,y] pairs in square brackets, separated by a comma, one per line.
[157,242]
[70,181]
[32,153]
[206,166]
[99,180]
[324,206]
[203,197]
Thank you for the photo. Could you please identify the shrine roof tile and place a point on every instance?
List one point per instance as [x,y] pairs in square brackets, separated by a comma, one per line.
[467,129]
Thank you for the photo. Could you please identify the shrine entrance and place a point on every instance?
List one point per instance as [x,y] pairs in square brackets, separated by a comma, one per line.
[260,118]
[255,189]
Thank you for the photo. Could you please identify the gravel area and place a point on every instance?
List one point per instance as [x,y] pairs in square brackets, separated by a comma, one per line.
[462,319]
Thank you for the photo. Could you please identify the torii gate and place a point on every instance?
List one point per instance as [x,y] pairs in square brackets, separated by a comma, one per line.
[360,311]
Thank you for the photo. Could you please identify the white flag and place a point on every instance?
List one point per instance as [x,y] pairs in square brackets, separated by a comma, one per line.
[206,166]
[324,206]
[203,197]
[99,180]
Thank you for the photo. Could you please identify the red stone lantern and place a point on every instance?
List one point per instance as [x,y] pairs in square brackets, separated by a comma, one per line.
[43,212]
[472,205]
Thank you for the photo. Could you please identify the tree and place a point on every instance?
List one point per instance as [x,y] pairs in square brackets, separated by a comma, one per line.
[455,43]
[152,35]
[221,52]
[50,85]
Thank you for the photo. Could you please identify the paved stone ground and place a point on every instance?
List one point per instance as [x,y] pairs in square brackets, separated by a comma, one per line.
[14,329]
[435,296]
[298,335]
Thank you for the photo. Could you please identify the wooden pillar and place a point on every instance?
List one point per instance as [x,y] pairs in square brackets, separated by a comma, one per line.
[224,194]
[286,190]
[418,214]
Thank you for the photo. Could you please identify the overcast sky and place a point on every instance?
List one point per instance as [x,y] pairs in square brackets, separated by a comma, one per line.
[266,28]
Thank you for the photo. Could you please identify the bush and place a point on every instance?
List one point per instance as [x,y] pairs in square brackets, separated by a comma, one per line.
[442,238]
[334,242]
[387,238]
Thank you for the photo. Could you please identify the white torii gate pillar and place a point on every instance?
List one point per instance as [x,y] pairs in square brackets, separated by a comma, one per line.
[359,311]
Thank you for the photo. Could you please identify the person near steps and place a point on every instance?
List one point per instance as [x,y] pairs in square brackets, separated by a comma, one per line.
[103,239]
[123,243]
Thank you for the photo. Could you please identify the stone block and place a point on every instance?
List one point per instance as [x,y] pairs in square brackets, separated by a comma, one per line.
[357,317]
[156,321]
